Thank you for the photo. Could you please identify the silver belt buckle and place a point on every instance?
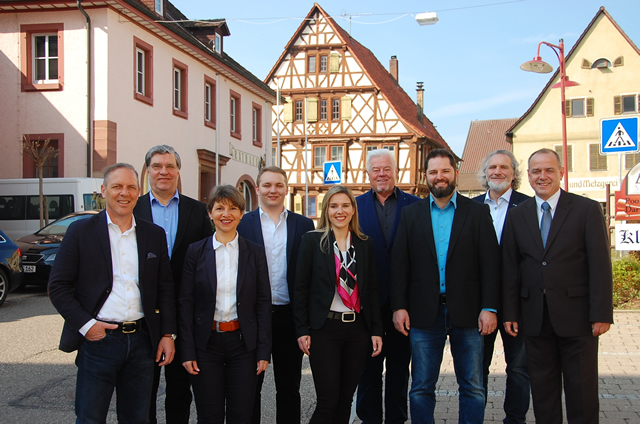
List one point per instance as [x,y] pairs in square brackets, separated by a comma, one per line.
[218,327]
[348,317]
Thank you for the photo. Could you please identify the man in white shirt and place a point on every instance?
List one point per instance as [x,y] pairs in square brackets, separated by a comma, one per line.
[110,276]
[500,176]
[279,231]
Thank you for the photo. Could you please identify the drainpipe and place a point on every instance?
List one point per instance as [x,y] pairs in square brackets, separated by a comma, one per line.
[89,135]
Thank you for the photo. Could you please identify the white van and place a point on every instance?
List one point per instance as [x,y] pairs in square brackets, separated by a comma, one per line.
[19,212]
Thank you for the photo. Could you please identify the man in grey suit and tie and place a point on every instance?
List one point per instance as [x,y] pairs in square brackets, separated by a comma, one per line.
[557,291]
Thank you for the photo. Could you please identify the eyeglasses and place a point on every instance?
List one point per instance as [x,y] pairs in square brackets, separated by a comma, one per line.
[169,167]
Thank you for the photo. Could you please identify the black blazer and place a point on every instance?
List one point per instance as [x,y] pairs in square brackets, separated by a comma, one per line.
[197,300]
[574,269]
[194,224]
[472,271]
[82,278]
[370,225]
[250,228]
[316,285]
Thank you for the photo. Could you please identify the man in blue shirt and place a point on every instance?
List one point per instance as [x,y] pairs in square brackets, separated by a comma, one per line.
[184,221]
[446,283]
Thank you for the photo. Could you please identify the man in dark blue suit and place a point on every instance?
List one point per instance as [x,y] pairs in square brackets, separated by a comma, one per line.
[279,231]
[379,213]
[501,178]
[185,221]
[110,279]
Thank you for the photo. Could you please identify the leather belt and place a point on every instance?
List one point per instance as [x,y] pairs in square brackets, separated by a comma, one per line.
[222,327]
[443,299]
[343,316]
[126,327]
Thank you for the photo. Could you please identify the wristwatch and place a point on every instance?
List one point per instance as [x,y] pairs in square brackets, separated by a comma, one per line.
[173,336]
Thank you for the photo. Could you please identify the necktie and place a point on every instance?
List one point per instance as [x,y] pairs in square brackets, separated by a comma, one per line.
[546,222]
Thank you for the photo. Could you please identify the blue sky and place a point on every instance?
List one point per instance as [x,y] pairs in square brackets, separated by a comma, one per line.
[469,61]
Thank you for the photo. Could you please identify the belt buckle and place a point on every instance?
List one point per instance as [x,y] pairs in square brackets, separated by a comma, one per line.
[131,325]
[218,327]
[348,317]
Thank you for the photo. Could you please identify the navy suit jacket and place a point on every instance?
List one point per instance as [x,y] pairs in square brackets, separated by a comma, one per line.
[370,226]
[194,224]
[197,300]
[574,269]
[82,278]
[297,225]
[515,199]
[472,271]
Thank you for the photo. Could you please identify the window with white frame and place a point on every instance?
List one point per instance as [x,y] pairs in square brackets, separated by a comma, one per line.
[143,78]
[218,44]
[319,156]
[177,86]
[336,153]
[323,63]
[235,108]
[312,65]
[140,71]
[323,109]
[335,109]
[298,110]
[209,102]
[180,89]
[45,58]
[256,124]
[159,6]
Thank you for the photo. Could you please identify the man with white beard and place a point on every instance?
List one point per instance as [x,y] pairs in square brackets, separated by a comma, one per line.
[501,177]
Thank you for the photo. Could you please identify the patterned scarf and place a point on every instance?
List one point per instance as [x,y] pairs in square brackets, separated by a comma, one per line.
[346,275]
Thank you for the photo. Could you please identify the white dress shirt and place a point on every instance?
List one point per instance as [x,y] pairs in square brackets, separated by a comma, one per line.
[124,302]
[227,279]
[553,203]
[498,210]
[275,246]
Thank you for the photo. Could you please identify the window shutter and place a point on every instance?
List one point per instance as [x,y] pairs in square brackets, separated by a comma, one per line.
[558,150]
[597,162]
[619,61]
[320,199]
[617,105]
[288,112]
[334,63]
[312,110]
[590,102]
[297,204]
[567,108]
[346,108]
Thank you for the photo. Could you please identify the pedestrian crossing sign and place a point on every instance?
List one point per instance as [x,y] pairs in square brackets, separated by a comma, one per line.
[619,135]
[333,172]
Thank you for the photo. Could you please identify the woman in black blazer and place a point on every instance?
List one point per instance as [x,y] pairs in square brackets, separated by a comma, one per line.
[225,314]
[336,305]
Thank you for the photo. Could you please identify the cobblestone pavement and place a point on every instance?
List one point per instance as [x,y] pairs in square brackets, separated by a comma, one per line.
[619,366]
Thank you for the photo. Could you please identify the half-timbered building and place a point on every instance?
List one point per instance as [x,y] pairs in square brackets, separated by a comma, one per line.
[339,102]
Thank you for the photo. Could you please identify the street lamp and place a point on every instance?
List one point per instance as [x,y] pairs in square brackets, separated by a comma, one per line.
[539,66]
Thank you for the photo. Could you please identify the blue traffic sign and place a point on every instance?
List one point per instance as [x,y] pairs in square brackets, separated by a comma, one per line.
[619,135]
[333,172]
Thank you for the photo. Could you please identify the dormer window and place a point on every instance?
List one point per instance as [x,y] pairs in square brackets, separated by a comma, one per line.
[159,6]
[218,44]
[601,63]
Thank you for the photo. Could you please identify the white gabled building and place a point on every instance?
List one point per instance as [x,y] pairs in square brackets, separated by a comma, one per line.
[154,78]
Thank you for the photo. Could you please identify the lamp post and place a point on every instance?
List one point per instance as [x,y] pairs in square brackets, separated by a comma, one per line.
[539,66]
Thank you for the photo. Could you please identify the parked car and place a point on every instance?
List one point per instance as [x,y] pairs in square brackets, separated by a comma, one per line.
[10,271]
[39,249]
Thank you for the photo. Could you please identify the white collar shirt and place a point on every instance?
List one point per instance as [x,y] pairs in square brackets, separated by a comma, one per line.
[124,302]
[553,203]
[498,210]
[227,279]
[274,236]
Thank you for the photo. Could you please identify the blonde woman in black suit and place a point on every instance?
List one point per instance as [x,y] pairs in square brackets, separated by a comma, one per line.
[336,305]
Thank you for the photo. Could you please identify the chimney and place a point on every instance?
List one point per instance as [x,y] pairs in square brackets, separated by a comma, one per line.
[420,98]
[393,68]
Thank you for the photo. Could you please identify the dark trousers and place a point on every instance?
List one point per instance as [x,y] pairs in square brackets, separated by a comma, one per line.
[178,396]
[338,352]
[287,366]
[518,390]
[395,357]
[123,362]
[555,361]
[227,379]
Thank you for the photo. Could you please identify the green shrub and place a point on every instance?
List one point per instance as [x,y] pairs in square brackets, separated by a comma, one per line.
[626,279]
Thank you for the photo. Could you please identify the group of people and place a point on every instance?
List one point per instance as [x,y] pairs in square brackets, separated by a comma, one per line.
[370,294]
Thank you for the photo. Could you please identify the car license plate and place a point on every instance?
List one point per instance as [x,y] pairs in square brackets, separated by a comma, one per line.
[29,268]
